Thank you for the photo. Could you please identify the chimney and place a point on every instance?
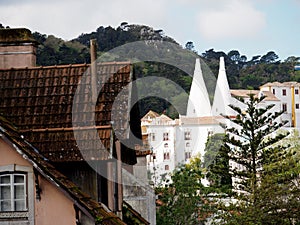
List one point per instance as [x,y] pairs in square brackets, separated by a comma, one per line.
[93,50]
[17,48]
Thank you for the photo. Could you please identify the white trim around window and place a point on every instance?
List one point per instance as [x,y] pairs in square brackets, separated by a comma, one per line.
[16,194]
[13,192]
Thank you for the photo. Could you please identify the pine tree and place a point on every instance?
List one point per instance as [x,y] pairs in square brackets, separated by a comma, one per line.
[216,164]
[279,189]
[251,135]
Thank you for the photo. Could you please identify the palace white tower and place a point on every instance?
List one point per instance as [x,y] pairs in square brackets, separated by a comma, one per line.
[198,103]
[222,96]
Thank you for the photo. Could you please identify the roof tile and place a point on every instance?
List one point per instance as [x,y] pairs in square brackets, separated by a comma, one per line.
[41,98]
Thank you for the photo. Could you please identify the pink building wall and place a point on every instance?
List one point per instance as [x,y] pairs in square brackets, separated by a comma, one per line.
[54,207]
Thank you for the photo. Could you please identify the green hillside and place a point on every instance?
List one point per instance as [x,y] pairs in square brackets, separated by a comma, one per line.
[242,72]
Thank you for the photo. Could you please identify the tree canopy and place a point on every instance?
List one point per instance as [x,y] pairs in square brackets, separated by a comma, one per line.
[243,73]
[264,172]
[184,201]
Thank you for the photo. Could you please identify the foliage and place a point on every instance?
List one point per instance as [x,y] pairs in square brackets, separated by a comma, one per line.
[190,46]
[279,188]
[255,72]
[128,216]
[242,72]
[212,147]
[161,76]
[264,172]
[216,162]
[184,201]
[109,38]
[55,51]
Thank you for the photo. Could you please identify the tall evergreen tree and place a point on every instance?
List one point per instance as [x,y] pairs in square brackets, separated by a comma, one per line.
[279,189]
[216,164]
[251,134]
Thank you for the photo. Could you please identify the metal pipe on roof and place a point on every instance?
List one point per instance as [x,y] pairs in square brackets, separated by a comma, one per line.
[93,52]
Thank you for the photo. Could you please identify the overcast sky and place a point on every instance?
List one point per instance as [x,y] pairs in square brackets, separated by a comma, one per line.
[253,27]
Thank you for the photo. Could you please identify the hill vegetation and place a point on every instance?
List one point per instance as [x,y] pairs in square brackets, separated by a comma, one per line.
[243,73]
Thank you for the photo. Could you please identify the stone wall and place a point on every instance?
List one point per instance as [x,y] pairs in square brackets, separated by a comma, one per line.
[140,196]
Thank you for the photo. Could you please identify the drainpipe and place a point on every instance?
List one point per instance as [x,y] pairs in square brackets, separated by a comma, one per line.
[119,199]
[293,107]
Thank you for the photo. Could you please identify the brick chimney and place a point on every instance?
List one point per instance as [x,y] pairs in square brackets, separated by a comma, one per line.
[17,48]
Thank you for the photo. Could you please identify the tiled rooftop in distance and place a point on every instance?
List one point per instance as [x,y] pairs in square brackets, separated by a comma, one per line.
[245,94]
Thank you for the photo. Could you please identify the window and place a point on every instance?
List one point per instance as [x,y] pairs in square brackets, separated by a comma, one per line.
[166,155]
[13,192]
[166,145]
[284,107]
[210,133]
[187,155]
[273,90]
[284,92]
[166,136]
[296,91]
[187,135]
[297,105]
[17,194]
[167,167]
[153,136]
[152,157]
[187,144]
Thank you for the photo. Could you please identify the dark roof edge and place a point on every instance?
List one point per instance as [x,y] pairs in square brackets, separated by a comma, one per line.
[135,213]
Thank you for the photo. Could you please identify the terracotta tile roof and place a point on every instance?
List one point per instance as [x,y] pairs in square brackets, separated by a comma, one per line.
[245,94]
[31,154]
[39,101]
[284,84]
[213,120]
[151,114]
[165,118]
[271,84]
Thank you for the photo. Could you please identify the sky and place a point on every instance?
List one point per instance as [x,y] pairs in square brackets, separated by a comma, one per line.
[253,27]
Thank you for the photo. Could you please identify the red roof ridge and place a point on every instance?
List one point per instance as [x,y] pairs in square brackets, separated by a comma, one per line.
[46,67]
[70,65]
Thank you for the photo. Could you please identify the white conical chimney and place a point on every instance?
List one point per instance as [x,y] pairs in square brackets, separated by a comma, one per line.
[222,96]
[198,103]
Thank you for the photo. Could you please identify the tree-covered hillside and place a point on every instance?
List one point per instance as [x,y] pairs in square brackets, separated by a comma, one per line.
[242,72]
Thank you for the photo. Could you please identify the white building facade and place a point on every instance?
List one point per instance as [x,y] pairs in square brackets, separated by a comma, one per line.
[288,94]
[174,142]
